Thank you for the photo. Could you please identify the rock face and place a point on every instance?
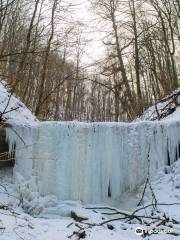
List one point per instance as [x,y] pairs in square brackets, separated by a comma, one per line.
[5,159]
[94,162]
[12,113]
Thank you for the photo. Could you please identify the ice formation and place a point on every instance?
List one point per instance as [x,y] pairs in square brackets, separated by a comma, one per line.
[91,162]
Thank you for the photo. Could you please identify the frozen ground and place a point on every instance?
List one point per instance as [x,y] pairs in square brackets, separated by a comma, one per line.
[15,224]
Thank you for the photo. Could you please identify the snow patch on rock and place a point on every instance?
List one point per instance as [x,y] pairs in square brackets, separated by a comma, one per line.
[14,111]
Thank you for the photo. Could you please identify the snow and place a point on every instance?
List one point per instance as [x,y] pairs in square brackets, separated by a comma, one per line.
[19,225]
[168,108]
[66,166]
[175,116]
[15,112]
[92,163]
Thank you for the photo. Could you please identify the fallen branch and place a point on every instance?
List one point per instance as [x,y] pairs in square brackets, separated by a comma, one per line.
[77,218]
[161,221]
[80,234]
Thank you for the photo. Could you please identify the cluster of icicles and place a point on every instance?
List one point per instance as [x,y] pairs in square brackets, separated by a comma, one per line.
[91,162]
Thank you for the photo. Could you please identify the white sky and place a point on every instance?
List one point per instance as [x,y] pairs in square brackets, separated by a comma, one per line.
[95,49]
[80,12]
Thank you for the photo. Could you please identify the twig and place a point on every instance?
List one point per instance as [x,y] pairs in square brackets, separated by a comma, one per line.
[148,183]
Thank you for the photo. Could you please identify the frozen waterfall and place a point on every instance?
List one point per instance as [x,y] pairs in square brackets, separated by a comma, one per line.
[91,162]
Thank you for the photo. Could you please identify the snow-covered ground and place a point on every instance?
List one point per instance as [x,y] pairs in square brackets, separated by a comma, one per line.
[168,109]
[15,224]
[13,111]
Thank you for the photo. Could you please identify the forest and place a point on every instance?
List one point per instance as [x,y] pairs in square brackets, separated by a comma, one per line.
[89,119]
[42,48]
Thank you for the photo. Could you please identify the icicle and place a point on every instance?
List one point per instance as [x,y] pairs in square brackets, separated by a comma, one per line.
[91,162]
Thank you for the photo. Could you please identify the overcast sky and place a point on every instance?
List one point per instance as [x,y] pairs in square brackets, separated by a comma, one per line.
[95,49]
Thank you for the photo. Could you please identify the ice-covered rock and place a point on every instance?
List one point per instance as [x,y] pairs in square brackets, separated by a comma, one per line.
[91,162]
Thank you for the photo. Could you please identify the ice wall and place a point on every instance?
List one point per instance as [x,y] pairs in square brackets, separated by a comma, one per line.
[91,162]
